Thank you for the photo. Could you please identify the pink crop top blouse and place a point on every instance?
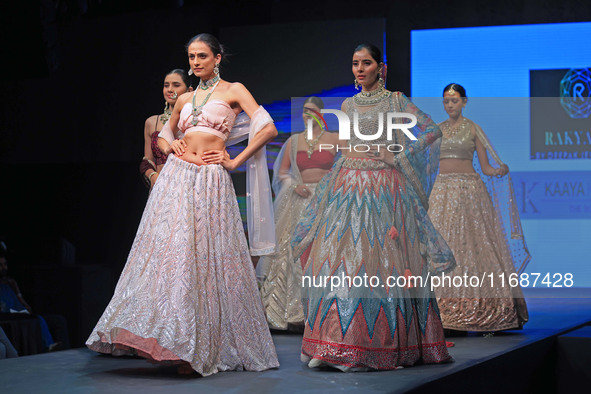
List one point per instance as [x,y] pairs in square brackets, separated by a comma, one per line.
[216,117]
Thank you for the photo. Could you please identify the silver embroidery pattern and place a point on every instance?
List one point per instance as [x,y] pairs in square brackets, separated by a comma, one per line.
[188,290]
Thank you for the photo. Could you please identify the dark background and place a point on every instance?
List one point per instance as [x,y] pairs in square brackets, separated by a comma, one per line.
[81,76]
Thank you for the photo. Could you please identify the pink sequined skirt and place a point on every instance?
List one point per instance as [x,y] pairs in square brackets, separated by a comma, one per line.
[188,291]
[461,210]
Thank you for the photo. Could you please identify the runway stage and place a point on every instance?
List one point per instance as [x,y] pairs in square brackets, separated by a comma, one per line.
[513,361]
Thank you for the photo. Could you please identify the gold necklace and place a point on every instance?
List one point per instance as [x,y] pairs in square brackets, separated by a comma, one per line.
[166,114]
[312,144]
[449,132]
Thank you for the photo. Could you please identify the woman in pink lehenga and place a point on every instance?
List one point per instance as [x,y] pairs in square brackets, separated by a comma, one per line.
[188,292]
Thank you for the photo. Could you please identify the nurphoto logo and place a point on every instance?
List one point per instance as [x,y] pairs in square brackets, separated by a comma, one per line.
[345,129]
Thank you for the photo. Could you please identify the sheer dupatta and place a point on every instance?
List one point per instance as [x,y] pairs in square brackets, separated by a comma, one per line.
[283,180]
[419,161]
[259,202]
[284,183]
[503,199]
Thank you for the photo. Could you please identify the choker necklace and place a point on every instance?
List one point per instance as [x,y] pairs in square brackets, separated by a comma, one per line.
[312,144]
[372,97]
[209,83]
[372,93]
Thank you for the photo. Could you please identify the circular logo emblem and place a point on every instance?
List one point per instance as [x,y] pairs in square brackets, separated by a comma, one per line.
[575,93]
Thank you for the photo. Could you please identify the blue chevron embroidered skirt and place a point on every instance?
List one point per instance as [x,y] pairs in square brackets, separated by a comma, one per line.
[368,238]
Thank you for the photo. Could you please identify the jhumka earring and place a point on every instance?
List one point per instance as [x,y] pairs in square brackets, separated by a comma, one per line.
[380,80]
[356,84]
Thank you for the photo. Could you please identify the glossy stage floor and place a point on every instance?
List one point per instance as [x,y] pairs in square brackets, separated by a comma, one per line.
[513,361]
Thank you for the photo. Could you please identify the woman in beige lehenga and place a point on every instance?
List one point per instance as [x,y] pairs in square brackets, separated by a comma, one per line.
[484,234]
[299,167]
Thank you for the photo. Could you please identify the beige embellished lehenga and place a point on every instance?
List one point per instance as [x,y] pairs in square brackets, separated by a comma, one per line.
[485,236]
[279,273]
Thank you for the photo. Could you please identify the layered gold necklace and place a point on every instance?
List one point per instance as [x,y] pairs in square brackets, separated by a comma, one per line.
[312,143]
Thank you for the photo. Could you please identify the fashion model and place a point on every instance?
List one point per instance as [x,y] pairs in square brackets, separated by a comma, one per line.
[369,218]
[299,167]
[484,234]
[188,293]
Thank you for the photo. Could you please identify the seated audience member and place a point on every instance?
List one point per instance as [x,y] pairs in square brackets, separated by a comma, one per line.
[12,301]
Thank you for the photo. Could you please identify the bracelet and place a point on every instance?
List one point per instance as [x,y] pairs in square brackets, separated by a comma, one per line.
[150,176]
[149,161]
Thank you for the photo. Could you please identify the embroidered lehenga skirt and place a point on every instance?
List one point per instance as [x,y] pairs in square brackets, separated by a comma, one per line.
[281,288]
[461,209]
[188,291]
[366,221]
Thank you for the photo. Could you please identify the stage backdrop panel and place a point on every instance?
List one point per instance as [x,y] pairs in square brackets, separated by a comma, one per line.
[501,67]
